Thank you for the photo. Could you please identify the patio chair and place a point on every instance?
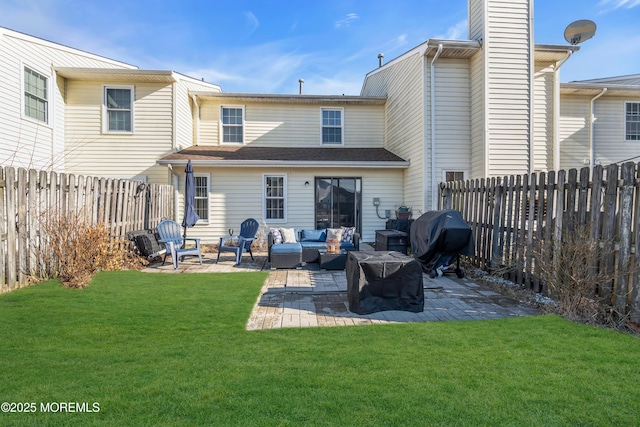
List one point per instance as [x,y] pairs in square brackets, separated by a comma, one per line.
[169,232]
[248,230]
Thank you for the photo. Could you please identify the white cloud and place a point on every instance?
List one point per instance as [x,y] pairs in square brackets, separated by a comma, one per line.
[459,31]
[252,23]
[346,22]
[610,5]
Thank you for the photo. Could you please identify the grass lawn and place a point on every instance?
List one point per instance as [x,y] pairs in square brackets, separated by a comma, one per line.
[171,349]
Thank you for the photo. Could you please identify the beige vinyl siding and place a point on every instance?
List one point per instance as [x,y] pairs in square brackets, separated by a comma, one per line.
[476,17]
[609,131]
[237,194]
[508,50]
[91,152]
[574,131]
[25,142]
[185,126]
[478,152]
[543,118]
[406,116]
[453,116]
[284,125]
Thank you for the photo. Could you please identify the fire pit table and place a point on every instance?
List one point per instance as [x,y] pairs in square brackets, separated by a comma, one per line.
[383,280]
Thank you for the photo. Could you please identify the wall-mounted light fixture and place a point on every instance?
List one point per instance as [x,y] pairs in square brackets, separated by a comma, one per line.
[306,183]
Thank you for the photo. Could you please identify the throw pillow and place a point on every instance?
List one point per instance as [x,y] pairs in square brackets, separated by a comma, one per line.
[277,236]
[288,235]
[334,233]
[313,235]
[347,234]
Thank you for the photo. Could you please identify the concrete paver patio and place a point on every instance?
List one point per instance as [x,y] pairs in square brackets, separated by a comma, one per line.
[310,297]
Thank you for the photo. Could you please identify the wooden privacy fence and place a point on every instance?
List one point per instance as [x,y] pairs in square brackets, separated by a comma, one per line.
[509,214]
[28,197]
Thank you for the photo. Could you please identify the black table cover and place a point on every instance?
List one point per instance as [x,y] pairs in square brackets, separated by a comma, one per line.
[378,281]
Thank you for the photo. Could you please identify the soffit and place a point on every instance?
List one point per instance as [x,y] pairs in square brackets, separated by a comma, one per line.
[116,75]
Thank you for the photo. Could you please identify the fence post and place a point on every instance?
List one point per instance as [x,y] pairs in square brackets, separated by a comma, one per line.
[624,253]
[3,230]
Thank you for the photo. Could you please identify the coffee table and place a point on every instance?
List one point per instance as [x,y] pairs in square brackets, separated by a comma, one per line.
[332,261]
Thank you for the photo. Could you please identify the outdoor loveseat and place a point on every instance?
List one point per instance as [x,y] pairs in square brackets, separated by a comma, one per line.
[290,248]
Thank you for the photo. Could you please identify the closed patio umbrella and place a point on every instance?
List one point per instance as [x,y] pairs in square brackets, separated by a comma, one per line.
[190,216]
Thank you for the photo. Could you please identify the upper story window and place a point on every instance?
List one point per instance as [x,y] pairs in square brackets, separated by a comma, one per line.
[118,107]
[36,95]
[632,121]
[232,125]
[332,125]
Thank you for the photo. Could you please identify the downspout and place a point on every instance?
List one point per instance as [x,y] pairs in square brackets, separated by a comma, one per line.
[174,181]
[434,193]
[196,120]
[591,120]
[556,112]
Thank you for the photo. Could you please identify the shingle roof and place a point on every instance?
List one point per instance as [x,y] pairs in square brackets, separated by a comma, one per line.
[286,156]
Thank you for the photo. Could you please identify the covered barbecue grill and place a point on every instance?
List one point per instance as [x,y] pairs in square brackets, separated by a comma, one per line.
[437,240]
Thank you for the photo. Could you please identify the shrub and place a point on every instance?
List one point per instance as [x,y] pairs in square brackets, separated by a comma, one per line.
[75,249]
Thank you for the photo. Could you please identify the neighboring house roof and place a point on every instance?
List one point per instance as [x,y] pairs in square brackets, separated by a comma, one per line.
[247,156]
[47,43]
[621,85]
[127,75]
[468,48]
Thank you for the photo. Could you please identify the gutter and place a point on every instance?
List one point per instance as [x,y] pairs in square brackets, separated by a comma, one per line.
[286,164]
[433,128]
[591,123]
[556,111]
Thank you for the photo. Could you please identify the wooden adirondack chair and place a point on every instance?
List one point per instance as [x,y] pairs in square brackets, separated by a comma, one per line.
[169,232]
[248,231]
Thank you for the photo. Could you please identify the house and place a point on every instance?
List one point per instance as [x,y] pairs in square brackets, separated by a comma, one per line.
[492,105]
[71,111]
[599,122]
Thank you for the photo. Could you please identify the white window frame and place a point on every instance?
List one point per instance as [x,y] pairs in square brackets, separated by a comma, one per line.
[222,125]
[445,171]
[49,100]
[284,197]
[322,126]
[626,135]
[208,198]
[105,110]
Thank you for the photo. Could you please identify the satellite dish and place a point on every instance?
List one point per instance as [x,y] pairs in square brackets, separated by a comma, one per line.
[579,31]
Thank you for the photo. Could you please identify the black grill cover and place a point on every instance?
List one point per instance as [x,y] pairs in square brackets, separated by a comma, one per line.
[440,232]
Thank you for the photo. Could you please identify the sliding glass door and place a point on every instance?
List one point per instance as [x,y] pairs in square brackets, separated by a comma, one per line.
[338,202]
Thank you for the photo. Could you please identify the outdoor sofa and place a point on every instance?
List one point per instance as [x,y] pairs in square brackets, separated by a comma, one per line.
[290,248]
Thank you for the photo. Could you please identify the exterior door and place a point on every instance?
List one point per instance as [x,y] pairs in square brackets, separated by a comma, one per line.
[338,202]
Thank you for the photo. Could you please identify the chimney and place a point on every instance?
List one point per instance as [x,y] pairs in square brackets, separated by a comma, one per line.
[380,57]
[301,81]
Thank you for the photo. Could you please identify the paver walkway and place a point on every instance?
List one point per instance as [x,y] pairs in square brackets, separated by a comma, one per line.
[314,297]
[310,297]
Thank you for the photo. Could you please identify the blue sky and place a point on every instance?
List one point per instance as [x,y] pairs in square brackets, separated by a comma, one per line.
[266,46]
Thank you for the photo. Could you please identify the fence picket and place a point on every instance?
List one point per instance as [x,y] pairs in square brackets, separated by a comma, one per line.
[29,198]
[508,214]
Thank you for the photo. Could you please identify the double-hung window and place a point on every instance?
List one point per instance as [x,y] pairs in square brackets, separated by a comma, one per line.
[451,176]
[232,125]
[275,199]
[632,121]
[201,182]
[332,125]
[36,95]
[118,109]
